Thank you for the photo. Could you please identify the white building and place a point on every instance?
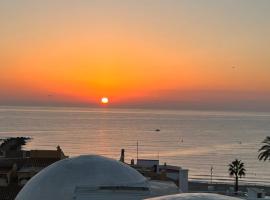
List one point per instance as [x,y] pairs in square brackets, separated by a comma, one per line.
[255,194]
[172,172]
[92,177]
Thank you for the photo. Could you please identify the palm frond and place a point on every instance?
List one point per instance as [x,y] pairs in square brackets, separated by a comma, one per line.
[237,168]
[264,155]
[265,147]
[264,151]
[266,140]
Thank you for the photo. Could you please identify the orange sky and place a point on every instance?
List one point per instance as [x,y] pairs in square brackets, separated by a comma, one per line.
[169,51]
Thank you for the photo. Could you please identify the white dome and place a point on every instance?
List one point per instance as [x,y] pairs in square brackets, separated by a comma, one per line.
[195,196]
[59,180]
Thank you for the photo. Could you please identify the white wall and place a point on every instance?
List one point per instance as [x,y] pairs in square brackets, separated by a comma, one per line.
[183,180]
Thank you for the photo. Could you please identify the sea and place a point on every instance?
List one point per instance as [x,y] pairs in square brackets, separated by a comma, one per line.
[194,140]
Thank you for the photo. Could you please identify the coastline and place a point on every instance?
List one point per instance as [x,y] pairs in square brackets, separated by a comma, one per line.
[224,188]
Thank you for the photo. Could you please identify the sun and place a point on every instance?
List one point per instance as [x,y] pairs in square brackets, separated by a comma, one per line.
[104,100]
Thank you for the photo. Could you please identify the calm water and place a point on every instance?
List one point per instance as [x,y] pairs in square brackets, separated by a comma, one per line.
[191,139]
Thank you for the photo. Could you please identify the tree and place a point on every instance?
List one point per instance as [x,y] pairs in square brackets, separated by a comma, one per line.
[237,169]
[265,150]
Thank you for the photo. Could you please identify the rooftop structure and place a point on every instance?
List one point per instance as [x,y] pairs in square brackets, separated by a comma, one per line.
[21,169]
[18,166]
[92,177]
[58,153]
[152,168]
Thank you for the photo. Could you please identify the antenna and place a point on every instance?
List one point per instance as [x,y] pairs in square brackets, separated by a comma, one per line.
[137,150]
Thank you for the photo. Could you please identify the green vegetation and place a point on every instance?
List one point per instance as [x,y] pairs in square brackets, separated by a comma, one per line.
[237,170]
[265,150]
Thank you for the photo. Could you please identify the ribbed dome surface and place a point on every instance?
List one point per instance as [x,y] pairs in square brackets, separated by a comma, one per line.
[195,196]
[59,180]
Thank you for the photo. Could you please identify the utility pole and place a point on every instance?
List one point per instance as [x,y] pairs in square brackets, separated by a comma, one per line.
[137,150]
[211,171]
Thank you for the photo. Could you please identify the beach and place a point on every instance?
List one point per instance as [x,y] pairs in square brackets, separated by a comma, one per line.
[224,188]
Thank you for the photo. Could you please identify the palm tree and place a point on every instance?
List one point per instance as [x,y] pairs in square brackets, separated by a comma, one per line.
[265,150]
[237,169]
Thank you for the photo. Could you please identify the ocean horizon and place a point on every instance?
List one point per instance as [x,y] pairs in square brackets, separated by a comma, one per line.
[195,140]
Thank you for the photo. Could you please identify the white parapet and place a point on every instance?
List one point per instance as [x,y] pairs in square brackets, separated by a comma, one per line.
[183,180]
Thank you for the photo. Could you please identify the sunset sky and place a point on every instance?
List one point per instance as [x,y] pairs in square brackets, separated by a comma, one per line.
[151,53]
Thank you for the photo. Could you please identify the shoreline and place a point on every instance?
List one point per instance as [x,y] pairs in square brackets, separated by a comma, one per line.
[231,182]
[224,188]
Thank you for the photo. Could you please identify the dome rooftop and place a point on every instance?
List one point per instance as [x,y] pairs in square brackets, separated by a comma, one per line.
[61,179]
[195,196]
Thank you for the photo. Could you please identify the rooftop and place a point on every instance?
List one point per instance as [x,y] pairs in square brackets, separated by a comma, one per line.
[195,196]
[90,172]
